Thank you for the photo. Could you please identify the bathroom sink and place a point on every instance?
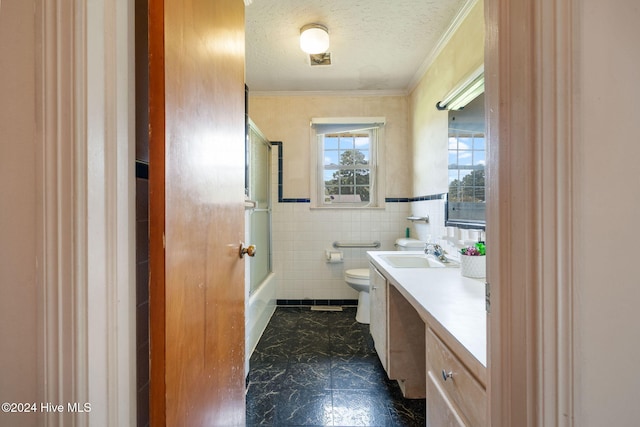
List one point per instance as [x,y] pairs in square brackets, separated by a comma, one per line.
[413,261]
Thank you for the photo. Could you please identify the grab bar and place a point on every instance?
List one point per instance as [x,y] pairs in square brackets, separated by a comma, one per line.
[356,245]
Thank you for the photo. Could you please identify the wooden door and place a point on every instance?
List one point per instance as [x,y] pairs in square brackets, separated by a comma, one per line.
[196,85]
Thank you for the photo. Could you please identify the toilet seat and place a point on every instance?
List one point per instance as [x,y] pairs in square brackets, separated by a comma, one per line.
[357,276]
[358,279]
[357,273]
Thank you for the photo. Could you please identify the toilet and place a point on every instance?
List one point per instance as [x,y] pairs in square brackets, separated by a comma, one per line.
[358,278]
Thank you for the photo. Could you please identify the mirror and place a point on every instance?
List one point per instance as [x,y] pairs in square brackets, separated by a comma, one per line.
[465,207]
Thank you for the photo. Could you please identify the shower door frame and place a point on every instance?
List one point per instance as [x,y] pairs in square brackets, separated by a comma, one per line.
[253,204]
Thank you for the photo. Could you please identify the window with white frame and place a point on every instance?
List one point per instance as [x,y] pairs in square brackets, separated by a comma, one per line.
[347,162]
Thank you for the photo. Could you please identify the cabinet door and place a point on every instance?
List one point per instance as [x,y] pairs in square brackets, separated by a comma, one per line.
[441,412]
[378,313]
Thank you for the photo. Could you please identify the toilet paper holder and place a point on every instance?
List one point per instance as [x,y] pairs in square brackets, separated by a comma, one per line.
[334,257]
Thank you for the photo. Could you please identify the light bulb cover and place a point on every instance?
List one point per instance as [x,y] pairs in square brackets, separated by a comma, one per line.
[314,38]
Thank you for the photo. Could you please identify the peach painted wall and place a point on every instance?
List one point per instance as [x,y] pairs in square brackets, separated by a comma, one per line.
[463,53]
[18,220]
[300,234]
[286,119]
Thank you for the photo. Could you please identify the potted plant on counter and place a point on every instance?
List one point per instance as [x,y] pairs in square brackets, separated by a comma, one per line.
[473,261]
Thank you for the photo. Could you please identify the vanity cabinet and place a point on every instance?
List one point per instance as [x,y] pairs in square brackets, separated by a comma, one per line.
[378,313]
[428,329]
[454,396]
[398,335]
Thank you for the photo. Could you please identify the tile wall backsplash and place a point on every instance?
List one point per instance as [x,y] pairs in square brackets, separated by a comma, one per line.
[435,229]
[302,235]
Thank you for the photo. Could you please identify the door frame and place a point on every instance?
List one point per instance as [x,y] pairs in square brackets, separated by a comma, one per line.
[86,209]
[523,385]
[529,79]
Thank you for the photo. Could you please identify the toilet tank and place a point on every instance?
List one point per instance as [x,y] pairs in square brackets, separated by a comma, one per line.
[408,244]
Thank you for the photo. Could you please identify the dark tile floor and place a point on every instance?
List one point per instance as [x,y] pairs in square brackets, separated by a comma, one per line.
[319,368]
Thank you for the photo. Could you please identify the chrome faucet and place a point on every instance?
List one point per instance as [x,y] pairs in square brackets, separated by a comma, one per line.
[435,250]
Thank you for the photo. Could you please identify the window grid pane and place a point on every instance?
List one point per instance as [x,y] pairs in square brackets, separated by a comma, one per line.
[347,167]
[467,159]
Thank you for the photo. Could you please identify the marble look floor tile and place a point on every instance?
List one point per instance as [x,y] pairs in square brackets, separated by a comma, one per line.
[315,368]
[310,340]
[262,403]
[315,322]
[270,355]
[272,373]
[316,376]
[346,323]
[311,356]
[353,376]
[285,318]
[359,408]
[305,408]
[407,412]
[350,342]
[353,358]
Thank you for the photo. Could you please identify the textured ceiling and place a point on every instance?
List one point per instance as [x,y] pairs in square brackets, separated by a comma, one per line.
[376,45]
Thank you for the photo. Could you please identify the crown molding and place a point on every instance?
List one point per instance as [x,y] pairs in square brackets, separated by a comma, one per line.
[444,40]
[399,92]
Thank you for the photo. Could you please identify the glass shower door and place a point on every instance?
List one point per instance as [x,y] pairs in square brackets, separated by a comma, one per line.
[260,215]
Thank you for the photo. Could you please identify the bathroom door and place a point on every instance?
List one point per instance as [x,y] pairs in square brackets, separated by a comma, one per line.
[196,114]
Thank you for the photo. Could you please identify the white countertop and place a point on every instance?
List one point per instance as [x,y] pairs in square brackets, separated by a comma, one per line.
[456,302]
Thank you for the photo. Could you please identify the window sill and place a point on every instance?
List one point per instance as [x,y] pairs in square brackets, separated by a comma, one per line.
[358,208]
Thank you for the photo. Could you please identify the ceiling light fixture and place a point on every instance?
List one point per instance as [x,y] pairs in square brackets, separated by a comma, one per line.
[314,38]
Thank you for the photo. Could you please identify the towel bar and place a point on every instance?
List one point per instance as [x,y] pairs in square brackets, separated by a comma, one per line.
[356,245]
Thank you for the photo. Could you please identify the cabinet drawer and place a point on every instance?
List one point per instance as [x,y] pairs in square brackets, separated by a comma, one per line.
[440,411]
[461,388]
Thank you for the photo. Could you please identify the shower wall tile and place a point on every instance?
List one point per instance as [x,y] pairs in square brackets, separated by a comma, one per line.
[301,235]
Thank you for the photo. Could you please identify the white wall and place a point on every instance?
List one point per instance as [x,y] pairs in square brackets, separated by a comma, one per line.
[607,197]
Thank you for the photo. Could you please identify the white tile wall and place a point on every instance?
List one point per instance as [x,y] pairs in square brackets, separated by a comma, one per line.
[435,229]
[301,236]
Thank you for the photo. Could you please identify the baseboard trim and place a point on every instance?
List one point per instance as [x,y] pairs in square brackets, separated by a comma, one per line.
[316,302]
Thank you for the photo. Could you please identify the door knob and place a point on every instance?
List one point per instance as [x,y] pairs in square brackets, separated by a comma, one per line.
[249,250]
[446,375]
